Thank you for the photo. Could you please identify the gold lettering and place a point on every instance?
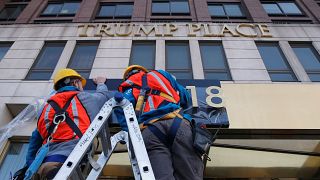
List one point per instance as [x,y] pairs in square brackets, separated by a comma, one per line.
[84,29]
[147,32]
[226,29]
[103,28]
[243,33]
[207,31]
[169,28]
[127,30]
[192,29]
[264,30]
[212,95]
[193,93]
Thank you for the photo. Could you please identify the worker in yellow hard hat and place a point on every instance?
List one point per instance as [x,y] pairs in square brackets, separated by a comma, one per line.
[159,101]
[73,110]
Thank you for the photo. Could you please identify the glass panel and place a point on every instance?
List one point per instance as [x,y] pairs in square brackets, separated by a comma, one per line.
[181,75]
[11,13]
[178,56]
[84,74]
[14,159]
[39,75]
[179,7]
[160,8]
[233,10]
[107,11]
[314,77]
[83,56]
[272,9]
[222,76]
[70,8]
[216,10]
[308,57]
[46,61]
[289,8]
[52,9]
[282,77]
[3,50]
[143,53]
[212,56]
[272,57]
[17,12]
[123,10]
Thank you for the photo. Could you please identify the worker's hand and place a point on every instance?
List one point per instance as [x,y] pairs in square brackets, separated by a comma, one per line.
[99,80]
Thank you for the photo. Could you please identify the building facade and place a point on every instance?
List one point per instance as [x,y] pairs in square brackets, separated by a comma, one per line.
[265,53]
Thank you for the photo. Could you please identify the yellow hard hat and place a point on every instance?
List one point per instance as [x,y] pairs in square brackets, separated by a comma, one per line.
[132,67]
[64,73]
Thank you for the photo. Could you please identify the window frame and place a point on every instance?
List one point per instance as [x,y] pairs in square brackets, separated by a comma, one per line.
[5,44]
[289,69]
[225,61]
[283,14]
[115,4]
[170,13]
[13,5]
[313,50]
[223,4]
[62,3]
[32,69]
[149,42]
[88,69]
[177,42]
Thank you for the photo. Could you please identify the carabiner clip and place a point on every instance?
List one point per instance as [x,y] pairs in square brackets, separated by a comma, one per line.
[60,117]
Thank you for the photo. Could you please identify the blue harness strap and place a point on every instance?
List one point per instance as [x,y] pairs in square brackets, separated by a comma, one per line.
[169,138]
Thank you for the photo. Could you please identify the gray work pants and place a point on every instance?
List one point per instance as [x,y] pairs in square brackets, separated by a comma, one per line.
[181,162]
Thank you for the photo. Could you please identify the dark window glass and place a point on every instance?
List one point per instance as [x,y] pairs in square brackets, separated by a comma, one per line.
[4,47]
[178,59]
[160,8]
[143,53]
[61,9]
[115,11]
[275,62]
[83,57]
[281,8]
[47,60]
[11,12]
[179,7]
[214,61]
[14,159]
[226,10]
[309,58]
[170,7]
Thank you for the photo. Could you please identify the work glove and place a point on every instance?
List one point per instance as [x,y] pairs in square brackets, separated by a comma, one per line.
[19,175]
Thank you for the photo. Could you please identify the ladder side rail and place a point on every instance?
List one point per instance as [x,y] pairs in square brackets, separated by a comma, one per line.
[133,160]
[85,142]
[103,159]
[138,145]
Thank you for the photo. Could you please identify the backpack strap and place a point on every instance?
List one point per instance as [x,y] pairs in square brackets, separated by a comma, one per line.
[61,115]
[142,96]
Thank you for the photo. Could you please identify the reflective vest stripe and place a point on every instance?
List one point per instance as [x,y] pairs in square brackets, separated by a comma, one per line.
[129,82]
[46,117]
[161,82]
[75,111]
[151,104]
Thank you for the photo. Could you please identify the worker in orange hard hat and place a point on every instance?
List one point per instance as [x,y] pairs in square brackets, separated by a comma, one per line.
[159,101]
[63,120]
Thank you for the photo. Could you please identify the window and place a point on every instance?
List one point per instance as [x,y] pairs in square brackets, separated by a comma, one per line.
[281,8]
[83,57]
[170,7]
[226,10]
[115,11]
[309,58]
[275,62]
[16,153]
[4,47]
[61,9]
[178,59]
[47,60]
[143,53]
[11,12]
[214,61]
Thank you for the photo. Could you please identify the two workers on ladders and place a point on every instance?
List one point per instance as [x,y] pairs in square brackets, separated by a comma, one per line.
[158,100]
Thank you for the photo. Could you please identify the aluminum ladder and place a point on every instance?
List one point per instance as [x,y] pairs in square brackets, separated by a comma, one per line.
[140,162]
